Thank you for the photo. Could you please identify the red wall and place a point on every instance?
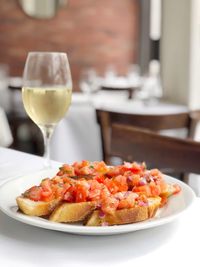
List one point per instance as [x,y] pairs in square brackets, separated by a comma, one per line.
[94,33]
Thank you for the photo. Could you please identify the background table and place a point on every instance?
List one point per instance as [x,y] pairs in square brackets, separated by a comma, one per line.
[77,136]
[173,244]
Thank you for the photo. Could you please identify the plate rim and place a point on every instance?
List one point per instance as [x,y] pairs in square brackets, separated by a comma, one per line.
[88,230]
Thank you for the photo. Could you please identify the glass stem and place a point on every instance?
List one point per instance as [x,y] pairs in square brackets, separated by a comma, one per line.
[47,133]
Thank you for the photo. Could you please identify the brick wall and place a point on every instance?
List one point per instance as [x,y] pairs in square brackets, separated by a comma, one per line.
[94,33]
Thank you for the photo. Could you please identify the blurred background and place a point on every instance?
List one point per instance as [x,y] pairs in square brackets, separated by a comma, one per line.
[94,33]
[133,53]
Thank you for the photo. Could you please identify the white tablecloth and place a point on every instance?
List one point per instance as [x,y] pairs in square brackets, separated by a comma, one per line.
[77,136]
[21,245]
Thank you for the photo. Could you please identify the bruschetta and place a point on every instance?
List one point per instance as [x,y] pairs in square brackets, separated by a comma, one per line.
[97,194]
[124,216]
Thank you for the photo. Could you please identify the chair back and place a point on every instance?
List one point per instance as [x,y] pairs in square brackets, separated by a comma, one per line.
[131,90]
[155,123]
[166,153]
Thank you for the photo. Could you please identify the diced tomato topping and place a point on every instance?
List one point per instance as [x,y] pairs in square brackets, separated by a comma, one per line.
[104,193]
[144,189]
[60,173]
[134,167]
[116,187]
[68,169]
[113,171]
[111,185]
[121,183]
[155,189]
[34,193]
[100,179]
[109,205]
[82,168]
[156,173]
[70,194]
[59,191]
[56,180]
[177,188]
[81,193]
[94,190]
[133,180]
[46,185]
[128,202]
[100,167]
[47,196]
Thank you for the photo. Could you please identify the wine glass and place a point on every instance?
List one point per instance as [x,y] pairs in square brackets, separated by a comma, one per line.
[46,92]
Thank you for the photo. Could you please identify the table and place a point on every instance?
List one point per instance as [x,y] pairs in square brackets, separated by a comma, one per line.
[21,245]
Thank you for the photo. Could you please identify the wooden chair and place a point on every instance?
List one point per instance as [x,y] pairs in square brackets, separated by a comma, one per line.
[155,123]
[163,152]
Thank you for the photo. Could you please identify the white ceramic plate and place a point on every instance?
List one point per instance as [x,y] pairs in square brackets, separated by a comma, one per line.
[13,188]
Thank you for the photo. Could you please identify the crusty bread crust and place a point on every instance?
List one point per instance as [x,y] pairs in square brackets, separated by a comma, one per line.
[72,212]
[169,191]
[154,204]
[36,208]
[125,216]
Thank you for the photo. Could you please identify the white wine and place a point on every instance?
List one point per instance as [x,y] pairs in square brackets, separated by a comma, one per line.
[46,106]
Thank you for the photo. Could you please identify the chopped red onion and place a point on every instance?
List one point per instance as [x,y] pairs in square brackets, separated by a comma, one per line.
[143,181]
[98,205]
[129,179]
[101,214]
[142,203]
[148,177]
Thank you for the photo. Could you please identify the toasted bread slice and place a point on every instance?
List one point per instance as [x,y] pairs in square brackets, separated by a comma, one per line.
[125,216]
[154,204]
[169,191]
[36,208]
[72,212]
